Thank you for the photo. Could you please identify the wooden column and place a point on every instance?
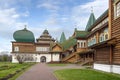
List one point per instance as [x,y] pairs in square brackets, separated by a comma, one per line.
[97,37]
[60,56]
[111,54]
[110,19]
[95,54]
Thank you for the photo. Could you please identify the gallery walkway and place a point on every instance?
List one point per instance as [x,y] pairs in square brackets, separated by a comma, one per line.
[37,72]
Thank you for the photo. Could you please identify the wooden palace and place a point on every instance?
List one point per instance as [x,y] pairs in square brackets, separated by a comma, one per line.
[98,44]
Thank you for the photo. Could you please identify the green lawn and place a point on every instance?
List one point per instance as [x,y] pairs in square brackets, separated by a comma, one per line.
[7,68]
[84,74]
[56,64]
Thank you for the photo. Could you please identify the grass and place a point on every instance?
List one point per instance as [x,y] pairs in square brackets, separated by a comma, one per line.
[18,74]
[56,64]
[84,74]
[7,68]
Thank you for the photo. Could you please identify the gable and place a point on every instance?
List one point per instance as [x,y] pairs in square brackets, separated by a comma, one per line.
[57,48]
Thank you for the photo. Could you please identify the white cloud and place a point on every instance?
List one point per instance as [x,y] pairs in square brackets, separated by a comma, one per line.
[48,6]
[81,13]
[51,21]
[25,14]
[8,16]
[8,21]
[8,24]
[15,16]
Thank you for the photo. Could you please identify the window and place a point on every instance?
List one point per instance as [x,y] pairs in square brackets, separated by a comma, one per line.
[78,44]
[101,38]
[42,48]
[118,9]
[88,42]
[106,36]
[81,44]
[16,48]
[84,44]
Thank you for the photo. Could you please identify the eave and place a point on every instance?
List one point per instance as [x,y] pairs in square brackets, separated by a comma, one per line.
[86,51]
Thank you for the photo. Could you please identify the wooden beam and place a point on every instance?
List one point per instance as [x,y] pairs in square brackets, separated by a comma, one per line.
[110,19]
[51,57]
[97,37]
[111,54]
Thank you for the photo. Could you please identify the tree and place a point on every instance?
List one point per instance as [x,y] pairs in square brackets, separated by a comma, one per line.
[21,58]
[5,57]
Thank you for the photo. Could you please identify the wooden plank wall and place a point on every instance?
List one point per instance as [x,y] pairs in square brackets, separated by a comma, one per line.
[25,47]
[102,55]
[56,48]
[115,33]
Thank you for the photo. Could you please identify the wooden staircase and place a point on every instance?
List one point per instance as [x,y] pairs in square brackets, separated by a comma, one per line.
[89,62]
[71,58]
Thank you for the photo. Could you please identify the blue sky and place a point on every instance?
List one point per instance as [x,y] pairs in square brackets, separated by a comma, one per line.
[55,15]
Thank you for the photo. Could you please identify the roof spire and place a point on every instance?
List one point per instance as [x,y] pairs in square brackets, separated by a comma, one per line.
[91,20]
[62,38]
[75,29]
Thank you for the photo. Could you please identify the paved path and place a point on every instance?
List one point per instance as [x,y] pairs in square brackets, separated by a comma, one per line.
[67,66]
[38,72]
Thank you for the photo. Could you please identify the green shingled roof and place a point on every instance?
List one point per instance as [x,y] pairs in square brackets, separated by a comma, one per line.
[90,21]
[62,38]
[99,18]
[45,31]
[69,43]
[81,34]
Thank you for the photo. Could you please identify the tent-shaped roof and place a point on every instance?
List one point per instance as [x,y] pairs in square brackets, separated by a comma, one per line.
[62,38]
[90,21]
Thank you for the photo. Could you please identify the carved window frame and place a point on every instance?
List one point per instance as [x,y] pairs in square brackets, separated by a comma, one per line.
[116,2]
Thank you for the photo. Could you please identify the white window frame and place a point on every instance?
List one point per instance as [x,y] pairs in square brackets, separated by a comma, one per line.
[117,9]
[81,43]
[101,38]
[16,48]
[42,48]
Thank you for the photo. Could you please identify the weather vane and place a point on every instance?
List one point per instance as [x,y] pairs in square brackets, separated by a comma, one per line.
[92,9]
[25,26]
